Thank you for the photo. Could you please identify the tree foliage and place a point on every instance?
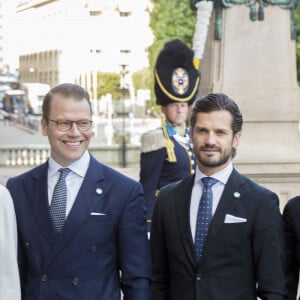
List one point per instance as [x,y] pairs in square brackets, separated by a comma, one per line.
[141,79]
[108,83]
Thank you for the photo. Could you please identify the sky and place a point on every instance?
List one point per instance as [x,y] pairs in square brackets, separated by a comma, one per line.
[22,34]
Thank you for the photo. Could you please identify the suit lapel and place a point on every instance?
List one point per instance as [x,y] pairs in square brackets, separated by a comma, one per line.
[182,204]
[37,195]
[227,203]
[90,198]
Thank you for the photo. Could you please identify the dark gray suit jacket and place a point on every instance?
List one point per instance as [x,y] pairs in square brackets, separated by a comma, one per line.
[291,215]
[240,260]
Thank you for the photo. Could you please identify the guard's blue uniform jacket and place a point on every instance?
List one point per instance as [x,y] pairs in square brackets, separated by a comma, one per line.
[165,158]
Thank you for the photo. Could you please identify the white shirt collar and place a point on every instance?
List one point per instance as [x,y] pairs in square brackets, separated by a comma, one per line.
[222,176]
[79,166]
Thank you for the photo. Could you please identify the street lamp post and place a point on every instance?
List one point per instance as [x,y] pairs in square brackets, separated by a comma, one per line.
[123,87]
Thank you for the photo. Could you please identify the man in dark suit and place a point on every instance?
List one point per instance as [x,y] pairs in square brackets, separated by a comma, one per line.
[93,244]
[291,219]
[242,253]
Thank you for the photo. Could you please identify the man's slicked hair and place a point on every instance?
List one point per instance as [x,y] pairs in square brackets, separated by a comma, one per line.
[216,102]
[67,90]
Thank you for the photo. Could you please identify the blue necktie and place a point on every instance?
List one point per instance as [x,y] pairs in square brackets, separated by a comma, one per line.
[59,201]
[204,215]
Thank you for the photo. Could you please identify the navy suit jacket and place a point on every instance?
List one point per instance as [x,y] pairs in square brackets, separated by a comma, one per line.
[244,253]
[102,249]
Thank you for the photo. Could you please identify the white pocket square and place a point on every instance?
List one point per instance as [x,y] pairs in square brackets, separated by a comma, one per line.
[234,219]
[97,214]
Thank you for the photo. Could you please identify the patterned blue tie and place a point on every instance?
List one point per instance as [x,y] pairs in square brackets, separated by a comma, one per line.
[204,215]
[59,201]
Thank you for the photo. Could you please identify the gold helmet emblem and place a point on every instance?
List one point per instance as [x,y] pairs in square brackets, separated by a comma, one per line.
[180,81]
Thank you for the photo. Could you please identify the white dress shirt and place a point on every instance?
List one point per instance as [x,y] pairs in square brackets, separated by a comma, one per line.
[9,273]
[217,190]
[73,180]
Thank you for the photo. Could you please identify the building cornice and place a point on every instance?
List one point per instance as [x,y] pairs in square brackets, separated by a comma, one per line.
[27,4]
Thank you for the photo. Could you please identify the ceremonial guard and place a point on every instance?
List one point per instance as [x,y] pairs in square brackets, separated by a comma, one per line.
[166,152]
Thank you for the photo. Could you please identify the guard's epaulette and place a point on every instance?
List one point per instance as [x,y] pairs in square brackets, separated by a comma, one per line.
[152,140]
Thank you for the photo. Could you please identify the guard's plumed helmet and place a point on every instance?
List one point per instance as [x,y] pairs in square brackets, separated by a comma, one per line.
[175,77]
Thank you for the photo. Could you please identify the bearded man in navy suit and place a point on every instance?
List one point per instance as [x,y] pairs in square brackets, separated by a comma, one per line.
[101,248]
[242,257]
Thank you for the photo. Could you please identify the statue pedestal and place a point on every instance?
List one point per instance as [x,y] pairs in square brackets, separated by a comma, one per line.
[255,64]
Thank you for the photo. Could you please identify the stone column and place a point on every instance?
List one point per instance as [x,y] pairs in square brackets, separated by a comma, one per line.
[255,64]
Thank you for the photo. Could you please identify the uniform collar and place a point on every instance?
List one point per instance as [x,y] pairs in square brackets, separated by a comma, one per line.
[172,129]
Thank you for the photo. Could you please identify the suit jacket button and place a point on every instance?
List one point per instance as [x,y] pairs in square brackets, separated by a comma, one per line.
[198,278]
[75,281]
[93,249]
[44,278]
[26,245]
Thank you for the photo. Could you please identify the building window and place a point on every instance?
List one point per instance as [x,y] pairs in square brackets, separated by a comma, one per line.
[124,10]
[95,13]
[125,13]
[125,51]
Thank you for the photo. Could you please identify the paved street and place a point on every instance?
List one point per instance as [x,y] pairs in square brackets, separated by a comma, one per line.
[11,134]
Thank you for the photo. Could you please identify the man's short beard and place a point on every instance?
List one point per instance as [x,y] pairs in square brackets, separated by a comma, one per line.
[223,160]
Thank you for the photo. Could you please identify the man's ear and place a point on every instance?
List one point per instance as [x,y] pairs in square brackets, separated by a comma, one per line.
[44,126]
[236,139]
